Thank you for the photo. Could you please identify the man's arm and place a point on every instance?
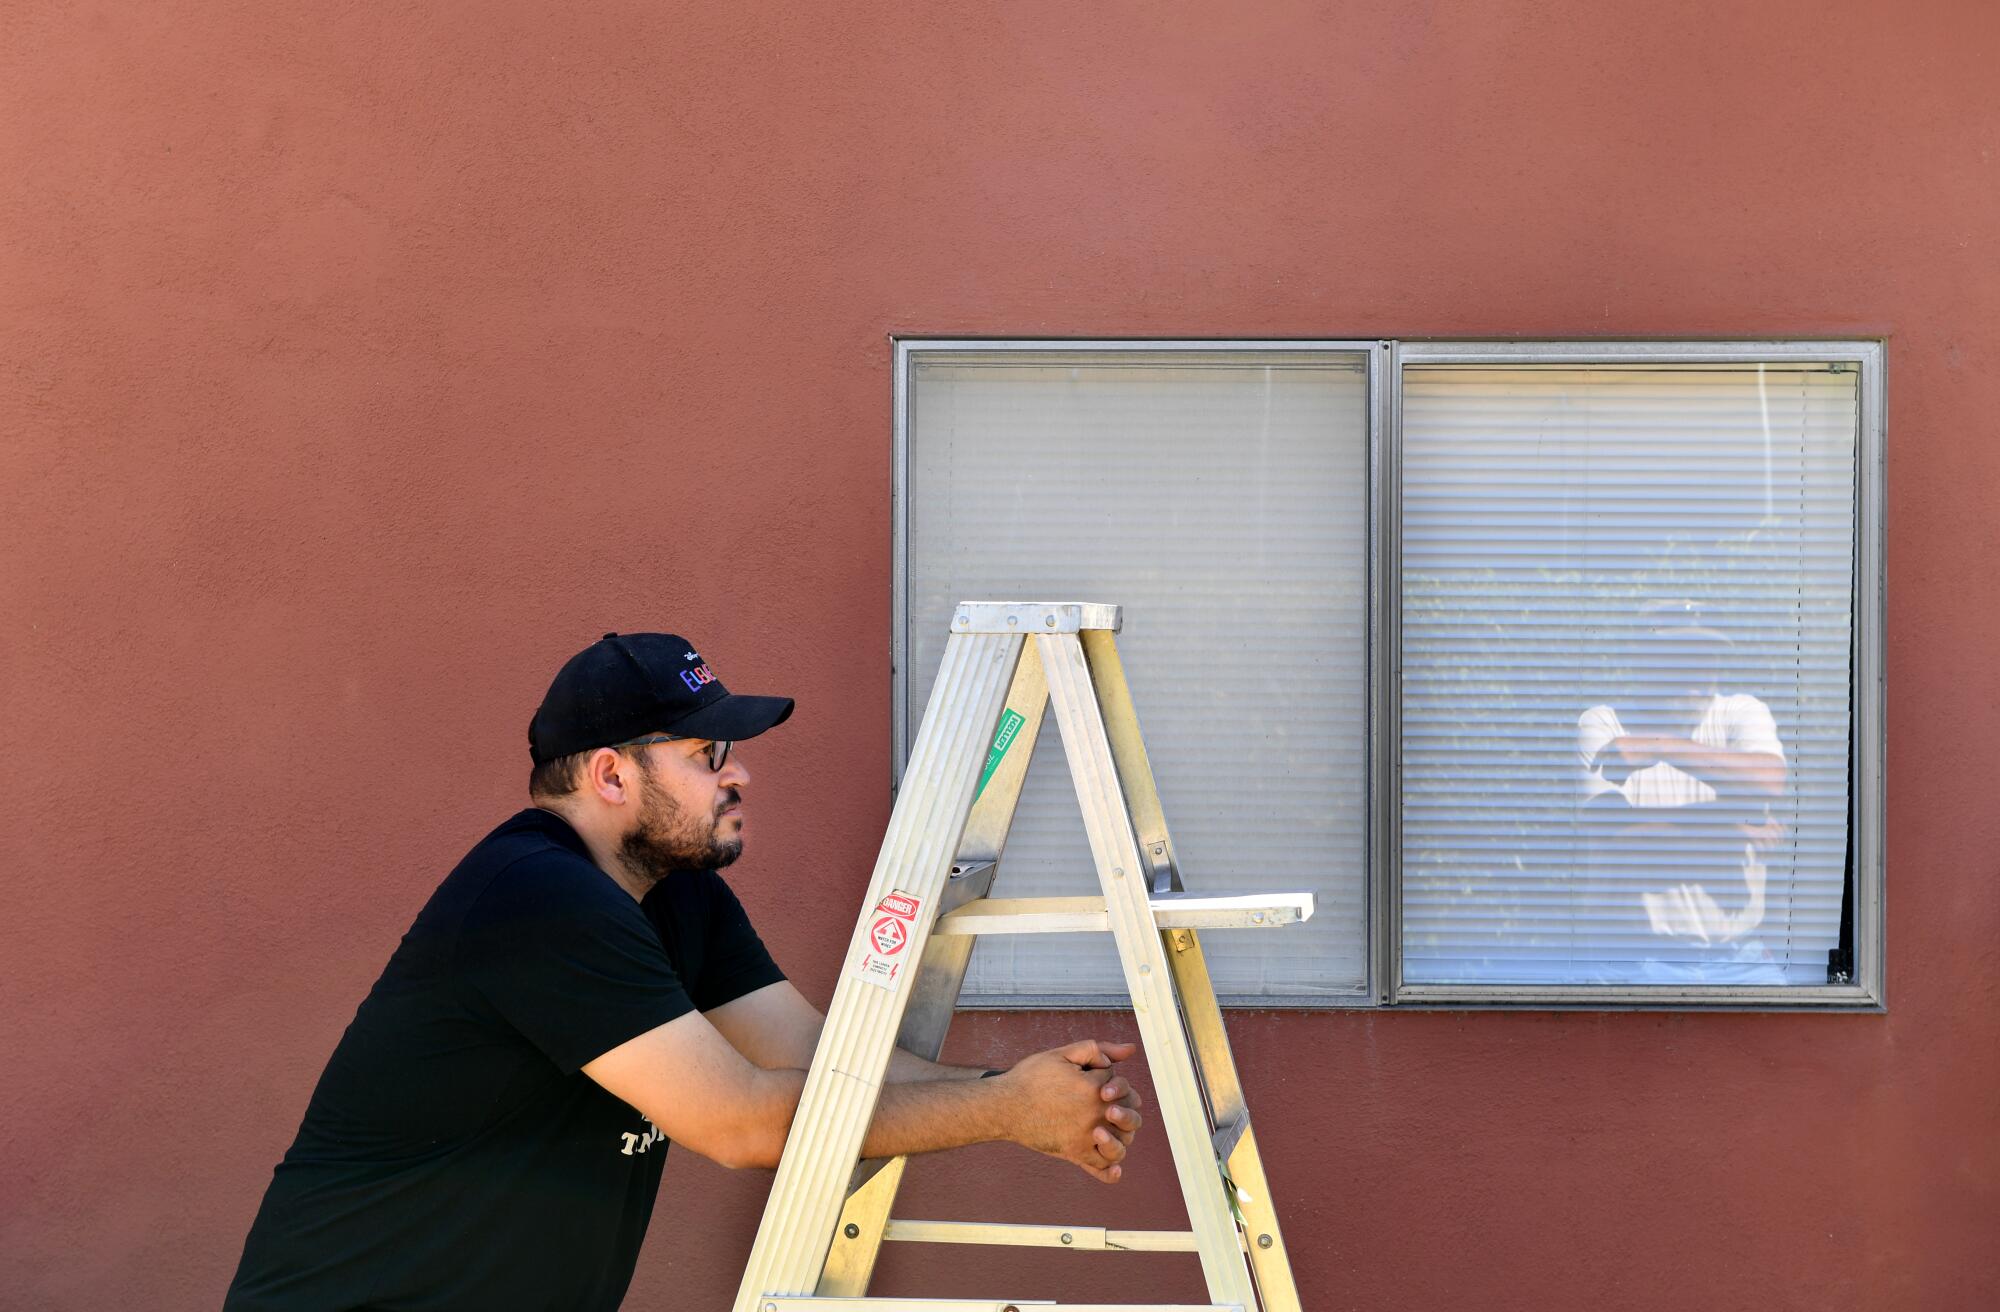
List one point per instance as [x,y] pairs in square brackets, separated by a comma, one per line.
[689,1080]
[777,1029]
[1728,771]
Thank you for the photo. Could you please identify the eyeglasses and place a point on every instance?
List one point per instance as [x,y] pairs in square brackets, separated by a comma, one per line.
[718,748]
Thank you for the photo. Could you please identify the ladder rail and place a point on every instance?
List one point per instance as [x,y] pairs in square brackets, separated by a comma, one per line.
[1201,1015]
[857,1242]
[841,1090]
[1114,845]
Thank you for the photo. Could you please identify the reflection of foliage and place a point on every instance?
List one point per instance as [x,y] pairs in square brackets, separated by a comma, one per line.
[1729,581]
[1492,690]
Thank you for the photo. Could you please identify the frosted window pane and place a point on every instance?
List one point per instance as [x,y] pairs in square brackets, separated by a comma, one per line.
[1222,500]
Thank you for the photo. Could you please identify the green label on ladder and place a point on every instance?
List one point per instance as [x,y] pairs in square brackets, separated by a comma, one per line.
[1010,724]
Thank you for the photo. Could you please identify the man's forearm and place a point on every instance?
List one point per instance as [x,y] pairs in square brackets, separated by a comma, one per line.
[1065,1103]
[1721,768]
[925,1116]
[906,1067]
[1725,770]
[917,1116]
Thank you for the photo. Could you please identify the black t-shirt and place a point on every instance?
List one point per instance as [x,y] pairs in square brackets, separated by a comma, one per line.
[454,1156]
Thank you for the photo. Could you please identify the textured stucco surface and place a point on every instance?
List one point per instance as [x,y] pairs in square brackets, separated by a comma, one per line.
[359,362]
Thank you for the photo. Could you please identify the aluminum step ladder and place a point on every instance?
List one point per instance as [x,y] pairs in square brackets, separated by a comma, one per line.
[828,1214]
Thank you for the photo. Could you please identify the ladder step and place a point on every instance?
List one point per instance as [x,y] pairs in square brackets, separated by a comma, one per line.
[1082,1238]
[1013,617]
[1084,915]
[812,1303]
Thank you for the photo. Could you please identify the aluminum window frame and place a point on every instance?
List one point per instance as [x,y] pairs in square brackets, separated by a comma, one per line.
[1866,796]
[1372,354]
[1386,361]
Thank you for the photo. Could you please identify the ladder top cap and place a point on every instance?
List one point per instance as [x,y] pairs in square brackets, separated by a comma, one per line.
[1035,616]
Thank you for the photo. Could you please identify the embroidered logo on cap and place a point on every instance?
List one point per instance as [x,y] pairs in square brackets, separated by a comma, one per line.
[697,676]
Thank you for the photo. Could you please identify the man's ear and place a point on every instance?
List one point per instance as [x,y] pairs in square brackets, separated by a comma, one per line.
[609,777]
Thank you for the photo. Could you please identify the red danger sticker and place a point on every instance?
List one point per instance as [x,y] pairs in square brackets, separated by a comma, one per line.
[889,932]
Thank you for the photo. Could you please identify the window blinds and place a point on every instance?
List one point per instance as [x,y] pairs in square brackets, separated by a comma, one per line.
[1598,560]
[1221,498]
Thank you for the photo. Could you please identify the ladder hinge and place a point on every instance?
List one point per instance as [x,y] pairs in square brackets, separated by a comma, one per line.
[1229,1136]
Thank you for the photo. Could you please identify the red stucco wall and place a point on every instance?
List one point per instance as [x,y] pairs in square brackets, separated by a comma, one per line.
[359,362]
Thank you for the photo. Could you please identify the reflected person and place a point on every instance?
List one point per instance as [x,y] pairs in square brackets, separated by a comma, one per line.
[1682,774]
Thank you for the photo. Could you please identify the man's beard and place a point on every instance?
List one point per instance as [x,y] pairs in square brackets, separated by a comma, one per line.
[669,837]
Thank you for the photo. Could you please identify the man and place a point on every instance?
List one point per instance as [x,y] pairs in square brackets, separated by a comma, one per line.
[582,989]
[1685,783]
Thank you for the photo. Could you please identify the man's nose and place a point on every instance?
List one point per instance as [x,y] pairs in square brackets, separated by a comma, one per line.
[733,774]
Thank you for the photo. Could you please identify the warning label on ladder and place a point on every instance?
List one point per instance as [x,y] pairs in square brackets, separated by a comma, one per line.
[884,950]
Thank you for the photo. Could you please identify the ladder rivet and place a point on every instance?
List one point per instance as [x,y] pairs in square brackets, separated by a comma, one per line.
[1145,969]
[1049,620]
[1256,917]
[852,1231]
[1012,620]
[1118,872]
[1263,1241]
[1069,1239]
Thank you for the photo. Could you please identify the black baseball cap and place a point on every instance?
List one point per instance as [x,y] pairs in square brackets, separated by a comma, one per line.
[627,685]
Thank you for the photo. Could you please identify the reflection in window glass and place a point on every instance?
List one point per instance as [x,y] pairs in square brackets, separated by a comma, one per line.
[1627,607]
